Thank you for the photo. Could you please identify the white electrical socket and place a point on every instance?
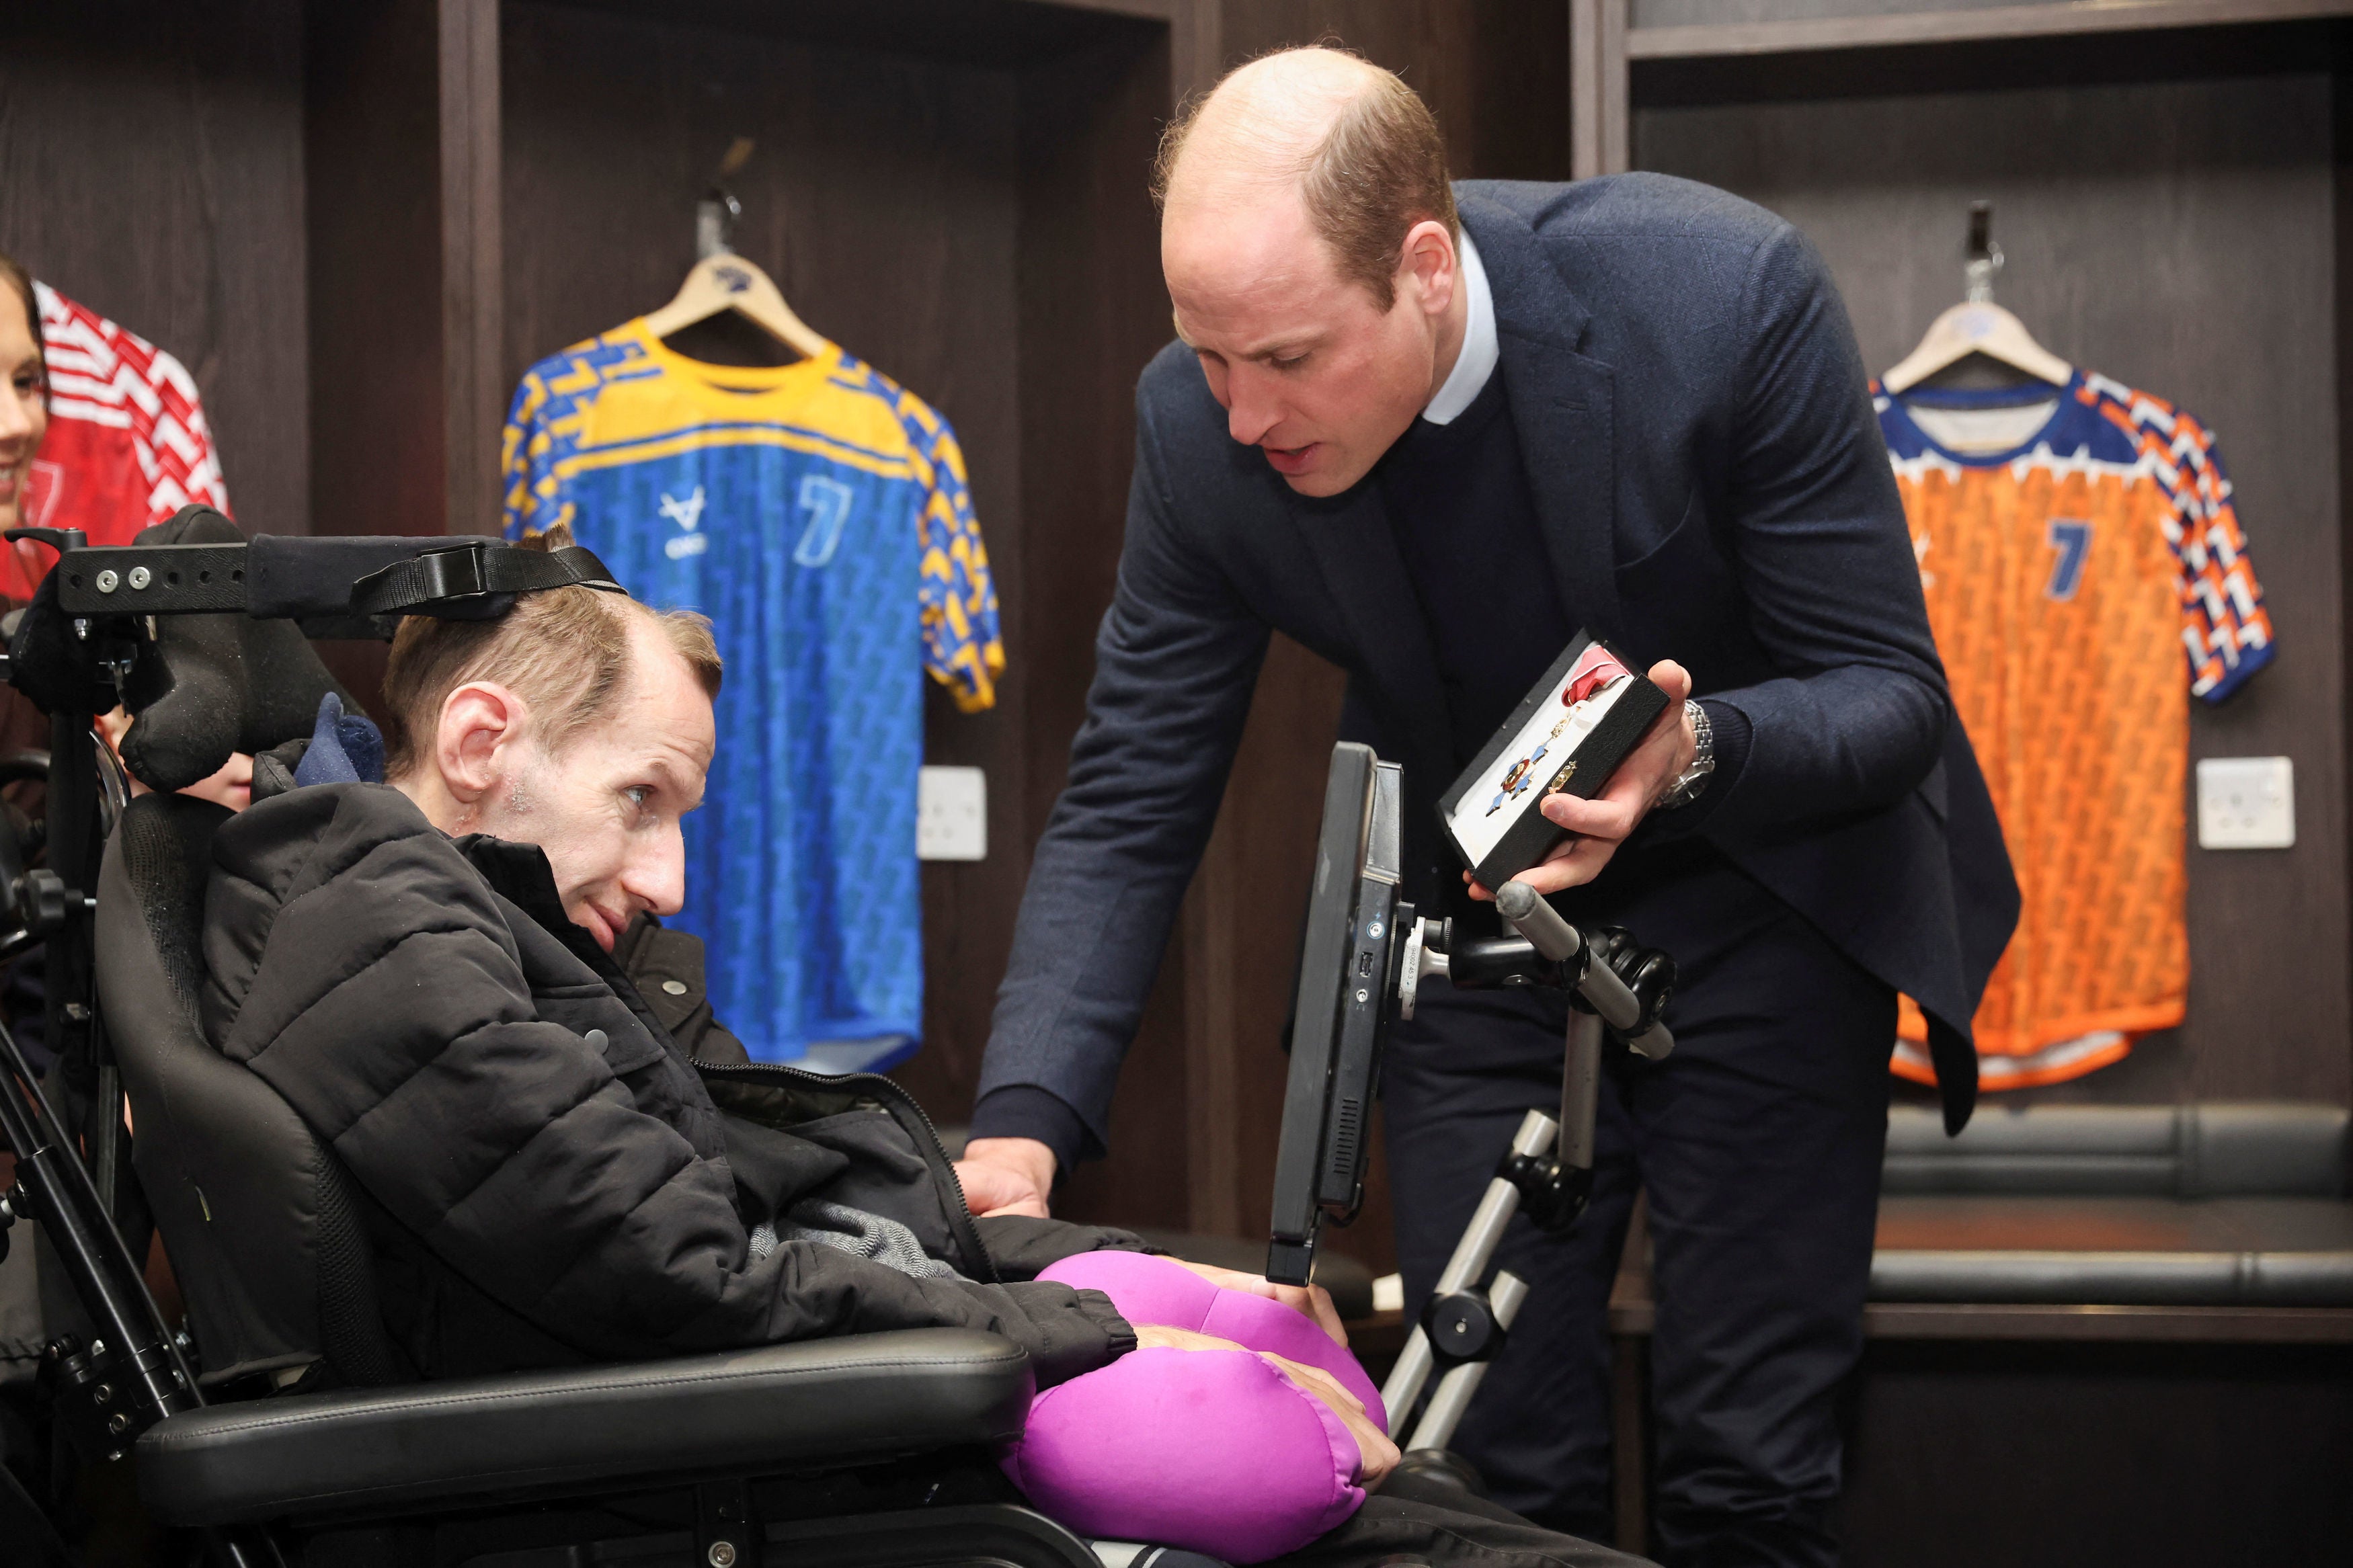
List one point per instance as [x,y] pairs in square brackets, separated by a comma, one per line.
[2246,803]
[951,815]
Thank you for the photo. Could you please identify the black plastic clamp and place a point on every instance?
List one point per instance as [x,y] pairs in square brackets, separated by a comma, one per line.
[1462,1328]
[1551,1194]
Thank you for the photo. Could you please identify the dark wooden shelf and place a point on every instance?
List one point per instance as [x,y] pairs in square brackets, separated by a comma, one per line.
[2000,24]
[973,32]
[2212,1325]
[2050,1322]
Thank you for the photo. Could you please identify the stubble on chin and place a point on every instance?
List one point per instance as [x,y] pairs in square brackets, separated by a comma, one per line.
[527,786]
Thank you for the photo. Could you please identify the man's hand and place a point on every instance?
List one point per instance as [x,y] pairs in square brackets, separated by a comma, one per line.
[1598,826]
[1007,1175]
[1376,1454]
[1311,1301]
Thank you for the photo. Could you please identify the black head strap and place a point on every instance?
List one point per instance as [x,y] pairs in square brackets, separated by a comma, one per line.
[476,580]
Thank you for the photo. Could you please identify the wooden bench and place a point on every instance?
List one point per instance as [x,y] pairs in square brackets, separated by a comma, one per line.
[2195,1262]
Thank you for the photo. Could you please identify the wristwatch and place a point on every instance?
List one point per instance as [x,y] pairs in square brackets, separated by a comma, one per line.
[1693,779]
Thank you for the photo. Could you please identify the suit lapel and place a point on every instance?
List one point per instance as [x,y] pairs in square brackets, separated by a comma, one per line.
[1356,553]
[1562,404]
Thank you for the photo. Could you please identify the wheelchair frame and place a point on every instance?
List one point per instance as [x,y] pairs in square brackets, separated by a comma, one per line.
[74,1178]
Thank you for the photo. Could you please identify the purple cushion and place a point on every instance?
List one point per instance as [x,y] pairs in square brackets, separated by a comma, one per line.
[1214,1451]
[1148,1289]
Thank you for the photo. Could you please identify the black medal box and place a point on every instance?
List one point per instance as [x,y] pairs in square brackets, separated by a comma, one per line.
[1567,736]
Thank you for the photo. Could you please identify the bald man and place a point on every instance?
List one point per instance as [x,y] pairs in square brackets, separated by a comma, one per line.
[1430,431]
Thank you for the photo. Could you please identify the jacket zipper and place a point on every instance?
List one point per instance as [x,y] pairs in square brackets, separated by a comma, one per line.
[936,1154]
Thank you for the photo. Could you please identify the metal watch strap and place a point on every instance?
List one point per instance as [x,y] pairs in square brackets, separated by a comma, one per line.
[1693,779]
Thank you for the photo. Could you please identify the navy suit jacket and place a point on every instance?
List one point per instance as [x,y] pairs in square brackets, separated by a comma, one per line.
[1699,441]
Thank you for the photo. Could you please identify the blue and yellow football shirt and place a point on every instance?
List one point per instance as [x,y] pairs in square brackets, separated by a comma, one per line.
[818,514]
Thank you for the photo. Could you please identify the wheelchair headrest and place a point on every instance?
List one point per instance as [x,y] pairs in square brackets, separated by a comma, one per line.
[200,685]
[217,684]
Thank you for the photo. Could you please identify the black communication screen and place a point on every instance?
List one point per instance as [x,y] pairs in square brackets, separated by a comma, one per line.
[1340,1021]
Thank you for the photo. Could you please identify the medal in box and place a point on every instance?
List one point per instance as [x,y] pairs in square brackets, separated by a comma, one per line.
[1569,736]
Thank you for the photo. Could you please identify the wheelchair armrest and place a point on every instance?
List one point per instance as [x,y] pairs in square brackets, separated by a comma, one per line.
[815,1404]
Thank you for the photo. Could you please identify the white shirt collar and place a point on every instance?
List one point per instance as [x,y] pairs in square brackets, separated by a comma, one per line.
[1476,362]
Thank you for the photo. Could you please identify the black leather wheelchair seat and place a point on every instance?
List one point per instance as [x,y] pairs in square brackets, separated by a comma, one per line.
[819,1403]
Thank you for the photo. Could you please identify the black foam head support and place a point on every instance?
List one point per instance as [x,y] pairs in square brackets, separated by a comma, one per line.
[217,684]
[213,684]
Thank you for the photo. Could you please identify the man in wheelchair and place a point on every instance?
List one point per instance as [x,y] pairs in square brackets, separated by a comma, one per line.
[446,975]
[424,972]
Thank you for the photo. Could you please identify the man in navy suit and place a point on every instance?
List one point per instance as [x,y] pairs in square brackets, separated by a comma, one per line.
[1430,432]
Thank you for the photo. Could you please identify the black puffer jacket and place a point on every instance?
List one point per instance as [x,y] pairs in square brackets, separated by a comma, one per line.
[540,1195]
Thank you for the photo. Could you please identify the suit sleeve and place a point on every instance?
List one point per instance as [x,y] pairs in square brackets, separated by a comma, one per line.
[1815,530]
[1176,659]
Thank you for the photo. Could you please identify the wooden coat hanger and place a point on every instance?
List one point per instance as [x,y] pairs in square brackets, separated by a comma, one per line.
[723,281]
[1977,325]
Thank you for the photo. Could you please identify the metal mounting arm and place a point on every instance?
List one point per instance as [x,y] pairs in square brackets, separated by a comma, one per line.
[1548,1170]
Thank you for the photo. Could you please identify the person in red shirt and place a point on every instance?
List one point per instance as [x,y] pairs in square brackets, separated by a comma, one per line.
[24,405]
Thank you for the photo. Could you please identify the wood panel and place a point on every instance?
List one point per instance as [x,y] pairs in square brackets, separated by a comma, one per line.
[2177,237]
[1809,62]
[1241,929]
[880,196]
[390,279]
[2036,1322]
[2341,335]
[1489,69]
[1598,88]
[1655,15]
[1092,312]
[1004,33]
[2039,1457]
[380,440]
[473,263]
[2061,1436]
[150,167]
[1673,28]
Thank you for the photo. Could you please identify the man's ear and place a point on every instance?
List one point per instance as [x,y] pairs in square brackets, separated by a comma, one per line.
[482,721]
[1429,271]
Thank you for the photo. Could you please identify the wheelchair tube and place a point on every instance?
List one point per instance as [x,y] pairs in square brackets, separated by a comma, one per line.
[1599,985]
[1460,1385]
[96,1258]
[1580,1091]
[1464,1269]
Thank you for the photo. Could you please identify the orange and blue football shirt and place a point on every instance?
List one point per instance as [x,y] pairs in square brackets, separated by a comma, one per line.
[818,514]
[2083,583]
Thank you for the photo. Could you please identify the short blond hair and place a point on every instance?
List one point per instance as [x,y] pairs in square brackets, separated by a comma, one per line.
[564,651]
[1379,170]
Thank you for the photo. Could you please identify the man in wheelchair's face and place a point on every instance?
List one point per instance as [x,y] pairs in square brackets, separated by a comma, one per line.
[602,801]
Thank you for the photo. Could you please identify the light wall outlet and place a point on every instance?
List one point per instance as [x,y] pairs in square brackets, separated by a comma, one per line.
[951,814]
[2246,803]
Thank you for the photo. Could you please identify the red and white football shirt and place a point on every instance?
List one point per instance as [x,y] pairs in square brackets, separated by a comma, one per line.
[127,445]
